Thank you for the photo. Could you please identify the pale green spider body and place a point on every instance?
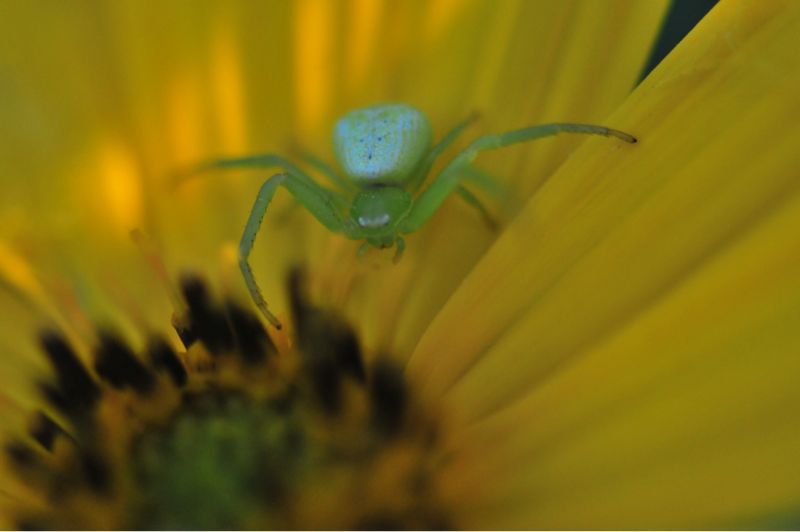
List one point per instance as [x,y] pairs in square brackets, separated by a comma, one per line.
[379,149]
[381,145]
[386,154]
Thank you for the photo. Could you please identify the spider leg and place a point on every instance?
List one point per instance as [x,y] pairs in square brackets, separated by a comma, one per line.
[472,200]
[488,184]
[265,160]
[451,175]
[324,168]
[362,249]
[400,247]
[436,151]
[311,196]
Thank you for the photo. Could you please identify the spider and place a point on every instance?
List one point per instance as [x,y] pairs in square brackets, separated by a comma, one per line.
[385,153]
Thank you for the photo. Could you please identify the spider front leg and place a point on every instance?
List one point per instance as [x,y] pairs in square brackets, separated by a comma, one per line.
[426,205]
[314,198]
[264,160]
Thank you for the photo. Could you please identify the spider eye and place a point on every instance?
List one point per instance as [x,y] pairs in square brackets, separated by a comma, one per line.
[373,222]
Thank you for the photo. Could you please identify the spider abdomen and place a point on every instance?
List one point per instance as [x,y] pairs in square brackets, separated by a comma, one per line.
[382,144]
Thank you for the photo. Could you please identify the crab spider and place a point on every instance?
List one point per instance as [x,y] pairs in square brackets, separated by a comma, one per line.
[385,152]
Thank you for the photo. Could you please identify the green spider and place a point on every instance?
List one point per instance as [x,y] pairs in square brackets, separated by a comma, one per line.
[385,152]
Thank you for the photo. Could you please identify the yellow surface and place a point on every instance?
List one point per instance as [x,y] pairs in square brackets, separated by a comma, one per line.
[625,356]
[625,353]
[129,93]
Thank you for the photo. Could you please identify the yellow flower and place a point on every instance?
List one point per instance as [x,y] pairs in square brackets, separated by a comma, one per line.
[622,355]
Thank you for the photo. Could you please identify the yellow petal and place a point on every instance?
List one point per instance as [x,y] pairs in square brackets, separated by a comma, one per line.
[643,200]
[690,405]
[626,352]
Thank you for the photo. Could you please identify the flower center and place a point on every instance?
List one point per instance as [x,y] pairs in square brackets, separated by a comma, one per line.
[230,432]
[223,460]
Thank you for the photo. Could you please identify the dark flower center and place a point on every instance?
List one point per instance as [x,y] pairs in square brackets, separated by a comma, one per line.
[229,432]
